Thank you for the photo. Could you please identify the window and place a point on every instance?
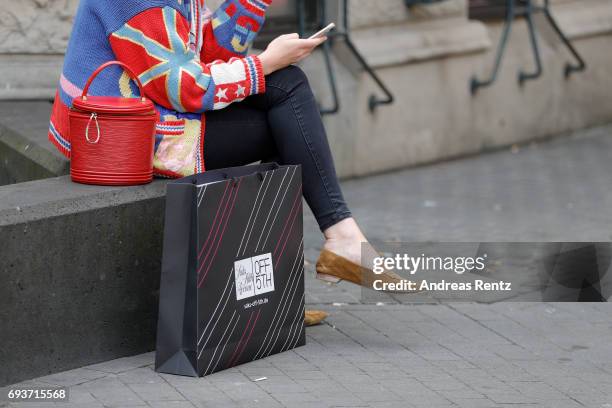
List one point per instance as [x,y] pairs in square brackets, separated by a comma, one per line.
[282,18]
[487,9]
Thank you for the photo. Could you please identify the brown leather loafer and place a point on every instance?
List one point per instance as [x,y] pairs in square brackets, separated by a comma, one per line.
[334,268]
[314,317]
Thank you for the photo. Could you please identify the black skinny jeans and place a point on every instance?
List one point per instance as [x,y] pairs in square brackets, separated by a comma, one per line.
[282,125]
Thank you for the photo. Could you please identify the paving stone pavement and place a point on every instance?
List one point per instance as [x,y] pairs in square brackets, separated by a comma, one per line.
[425,355]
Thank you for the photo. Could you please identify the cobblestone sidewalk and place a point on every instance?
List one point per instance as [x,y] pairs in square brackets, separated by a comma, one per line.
[455,355]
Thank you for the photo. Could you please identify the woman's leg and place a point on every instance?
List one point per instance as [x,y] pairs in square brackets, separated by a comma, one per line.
[236,136]
[297,129]
[239,135]
[285,122]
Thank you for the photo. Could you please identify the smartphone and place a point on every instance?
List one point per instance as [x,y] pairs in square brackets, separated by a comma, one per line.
[323,32]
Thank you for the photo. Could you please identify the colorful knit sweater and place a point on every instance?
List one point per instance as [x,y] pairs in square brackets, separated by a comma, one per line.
[189,61]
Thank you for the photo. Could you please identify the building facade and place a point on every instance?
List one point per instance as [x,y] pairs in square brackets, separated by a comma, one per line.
[425,54]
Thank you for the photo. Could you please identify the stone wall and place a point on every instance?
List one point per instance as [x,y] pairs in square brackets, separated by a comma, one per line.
[34,35]
[428,66]
[36,26]
[43,26]
[368,13]
[33,38]
[426,54]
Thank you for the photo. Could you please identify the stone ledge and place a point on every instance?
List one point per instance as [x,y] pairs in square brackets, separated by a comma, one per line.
[29,76]
[406,43]
[92,256]
[26,153]
[58,196]
[24,160]
[579,20]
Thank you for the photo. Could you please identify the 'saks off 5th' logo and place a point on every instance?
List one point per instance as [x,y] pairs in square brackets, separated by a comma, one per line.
[254,276]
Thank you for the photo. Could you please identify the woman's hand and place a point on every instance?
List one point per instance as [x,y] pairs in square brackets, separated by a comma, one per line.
[285,50]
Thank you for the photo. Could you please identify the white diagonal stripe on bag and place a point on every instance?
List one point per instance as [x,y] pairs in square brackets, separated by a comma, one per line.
[220,340]
[202,195]
[282,303]
[299,331]
[287,286]
[272,206]
[252,210]
[294,325]
[226,342]
[277,211]
[218,318]
[246,244]
[292,279]
[299,327]
[282,319]
[229,278]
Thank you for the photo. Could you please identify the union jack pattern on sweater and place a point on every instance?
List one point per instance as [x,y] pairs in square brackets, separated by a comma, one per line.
[188,59]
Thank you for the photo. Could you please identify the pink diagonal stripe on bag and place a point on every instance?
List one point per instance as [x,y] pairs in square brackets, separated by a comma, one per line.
[246,342]
[286,238]
[222,234]
[218,227]
[214,222]
[293,207]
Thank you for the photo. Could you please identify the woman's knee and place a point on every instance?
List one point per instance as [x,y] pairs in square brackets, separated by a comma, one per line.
[288,78]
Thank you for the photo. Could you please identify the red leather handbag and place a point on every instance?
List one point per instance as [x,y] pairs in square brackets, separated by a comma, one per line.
[112,138]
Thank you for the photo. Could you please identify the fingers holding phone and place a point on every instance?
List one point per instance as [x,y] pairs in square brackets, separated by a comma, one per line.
[323,32]
[289,49]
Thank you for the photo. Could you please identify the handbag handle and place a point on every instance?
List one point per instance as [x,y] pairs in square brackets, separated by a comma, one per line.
[106,65]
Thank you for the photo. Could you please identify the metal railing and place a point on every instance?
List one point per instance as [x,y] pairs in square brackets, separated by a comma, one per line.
[527,9]
[343,31]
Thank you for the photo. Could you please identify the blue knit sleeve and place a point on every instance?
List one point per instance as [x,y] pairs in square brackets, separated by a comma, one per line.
[113,14]
[236,23]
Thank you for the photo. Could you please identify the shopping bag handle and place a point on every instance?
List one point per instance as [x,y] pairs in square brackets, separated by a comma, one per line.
[235,173]
[261,169]
[106,65]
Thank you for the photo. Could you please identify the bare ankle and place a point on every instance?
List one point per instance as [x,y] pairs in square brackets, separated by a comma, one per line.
[347,229]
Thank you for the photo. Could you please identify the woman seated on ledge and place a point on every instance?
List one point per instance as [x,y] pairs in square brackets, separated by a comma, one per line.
[218,106]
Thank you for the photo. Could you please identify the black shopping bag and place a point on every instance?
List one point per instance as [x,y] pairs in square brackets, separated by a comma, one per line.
[232,283]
